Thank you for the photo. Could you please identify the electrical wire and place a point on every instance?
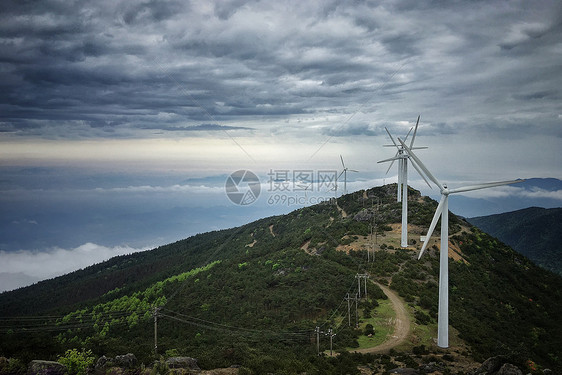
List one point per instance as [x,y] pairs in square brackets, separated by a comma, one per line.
[208,323]
[85,320]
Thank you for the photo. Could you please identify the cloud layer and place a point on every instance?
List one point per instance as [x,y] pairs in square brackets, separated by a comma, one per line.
[22,268]
[137,68]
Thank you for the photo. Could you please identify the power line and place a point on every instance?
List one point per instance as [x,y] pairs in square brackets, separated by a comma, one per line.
[84,320]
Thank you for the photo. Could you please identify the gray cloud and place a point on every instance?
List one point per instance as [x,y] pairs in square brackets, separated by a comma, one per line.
[354,129]
[203,127]
[135,66]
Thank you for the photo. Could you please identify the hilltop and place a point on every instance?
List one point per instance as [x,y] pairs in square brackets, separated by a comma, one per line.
[254,295]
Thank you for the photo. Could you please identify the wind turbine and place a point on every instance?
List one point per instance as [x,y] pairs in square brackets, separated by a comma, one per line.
[402,188]
[443,212]
[304,186]
[344,172]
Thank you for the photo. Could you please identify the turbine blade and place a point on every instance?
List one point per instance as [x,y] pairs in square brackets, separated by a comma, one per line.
[340,174]
[390,135]
[483,186]
[434,221]
[421,165]
[407,135]
[421,174]
[395,157]
[341,157]
[352,170]
[391,160]
[392,163]
[415,131]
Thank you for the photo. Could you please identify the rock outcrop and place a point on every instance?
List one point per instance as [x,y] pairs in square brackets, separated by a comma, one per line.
[498,366]
[509,369]
[183,362]
[38,367]
[127,361]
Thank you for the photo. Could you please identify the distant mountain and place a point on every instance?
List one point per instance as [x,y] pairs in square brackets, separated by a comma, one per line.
[534,232]
[253,296]
[533,192]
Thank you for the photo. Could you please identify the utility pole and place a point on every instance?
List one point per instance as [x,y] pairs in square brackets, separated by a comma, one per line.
[363,276]
[356,312]
[155,313]
[317,330]
[369,247]
[375,224]
[331,334]
[348,298]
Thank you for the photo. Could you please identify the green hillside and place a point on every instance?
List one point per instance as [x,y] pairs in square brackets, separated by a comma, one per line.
[534,232]
[254,295]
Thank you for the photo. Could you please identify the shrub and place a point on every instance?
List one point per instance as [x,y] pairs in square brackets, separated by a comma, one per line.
[77,362]
[172,353]
[419,350]
[12,366]
[160,368]
[422,318]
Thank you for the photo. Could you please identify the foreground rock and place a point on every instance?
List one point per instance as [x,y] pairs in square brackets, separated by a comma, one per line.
[404,371]
[221,371]
[509,369]
[183,362]
[127,361]
[498,366]
[38,367]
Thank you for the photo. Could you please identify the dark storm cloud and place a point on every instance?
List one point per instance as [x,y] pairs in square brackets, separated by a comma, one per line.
[206,127]
[125,68]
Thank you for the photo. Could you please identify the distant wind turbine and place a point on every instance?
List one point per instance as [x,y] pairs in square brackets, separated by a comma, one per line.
[443,212]
[304,186]
[344,172]
[402,189]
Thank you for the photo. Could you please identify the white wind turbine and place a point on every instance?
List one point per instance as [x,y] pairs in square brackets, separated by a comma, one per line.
[402,189]
[344,172]
[443,212]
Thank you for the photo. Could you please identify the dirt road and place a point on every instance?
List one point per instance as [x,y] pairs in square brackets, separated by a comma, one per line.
[401,324]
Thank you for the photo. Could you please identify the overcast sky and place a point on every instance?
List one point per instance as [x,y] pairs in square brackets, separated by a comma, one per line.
[143,96]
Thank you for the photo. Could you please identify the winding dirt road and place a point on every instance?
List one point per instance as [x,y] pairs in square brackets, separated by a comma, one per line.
[401,324]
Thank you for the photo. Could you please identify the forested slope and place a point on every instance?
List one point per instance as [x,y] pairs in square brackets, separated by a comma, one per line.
[254,295]
[534,232]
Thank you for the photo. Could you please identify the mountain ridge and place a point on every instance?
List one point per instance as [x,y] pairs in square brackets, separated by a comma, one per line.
[533,192]
[259,306]
[535,232]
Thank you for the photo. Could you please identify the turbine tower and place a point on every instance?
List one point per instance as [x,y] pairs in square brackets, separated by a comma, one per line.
[442,212]
[402,189]
[344,172]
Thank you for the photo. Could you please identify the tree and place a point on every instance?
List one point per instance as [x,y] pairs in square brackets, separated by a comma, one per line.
[77,363]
